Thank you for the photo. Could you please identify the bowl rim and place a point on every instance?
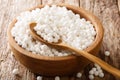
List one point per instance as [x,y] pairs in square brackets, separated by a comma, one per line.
[87,15]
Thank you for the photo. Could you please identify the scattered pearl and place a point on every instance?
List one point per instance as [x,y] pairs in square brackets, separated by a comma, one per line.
[107,53]
[96,65]
[99,71]
[15,71]
[96,73]
[91,72]
[57,78]
[39,77]
[98,68]
[94,69]
[91,77]
[79,75]
[101,75]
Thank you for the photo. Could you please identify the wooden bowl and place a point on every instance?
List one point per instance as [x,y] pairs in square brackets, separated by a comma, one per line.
[52,66]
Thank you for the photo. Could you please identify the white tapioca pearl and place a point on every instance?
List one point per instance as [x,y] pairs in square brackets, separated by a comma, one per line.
[91,72]
[107,53]
[15,71]
[39,77]
[79,75]
[57,78]
[91,77]
[94,69]
[96,73]
[101,74]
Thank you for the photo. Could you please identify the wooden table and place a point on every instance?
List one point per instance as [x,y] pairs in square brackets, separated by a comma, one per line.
[108,11]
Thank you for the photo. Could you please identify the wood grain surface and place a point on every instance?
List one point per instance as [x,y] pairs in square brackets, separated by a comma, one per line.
[108,11]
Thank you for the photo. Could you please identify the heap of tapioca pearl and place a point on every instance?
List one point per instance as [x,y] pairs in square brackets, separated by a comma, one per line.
[96,71]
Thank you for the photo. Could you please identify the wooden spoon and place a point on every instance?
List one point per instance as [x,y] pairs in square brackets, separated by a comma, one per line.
[87,55]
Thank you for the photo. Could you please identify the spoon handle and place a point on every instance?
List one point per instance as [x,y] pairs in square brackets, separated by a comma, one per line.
[97,60]
[89,56]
